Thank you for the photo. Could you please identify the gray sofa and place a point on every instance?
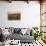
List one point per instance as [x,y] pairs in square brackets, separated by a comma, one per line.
[17,35]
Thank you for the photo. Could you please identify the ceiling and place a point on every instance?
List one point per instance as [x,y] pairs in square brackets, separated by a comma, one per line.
[20,0]
[24,0]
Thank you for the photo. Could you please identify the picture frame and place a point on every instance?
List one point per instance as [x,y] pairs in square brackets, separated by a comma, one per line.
[14,16]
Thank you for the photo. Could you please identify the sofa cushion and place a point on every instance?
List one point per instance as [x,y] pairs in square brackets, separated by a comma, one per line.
[17,30]
[23,31]
[22,38]
[11,30]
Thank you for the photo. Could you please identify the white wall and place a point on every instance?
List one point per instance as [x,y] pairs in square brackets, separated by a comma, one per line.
[30,14]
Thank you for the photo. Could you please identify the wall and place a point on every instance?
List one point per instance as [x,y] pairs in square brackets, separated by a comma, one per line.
[30,14]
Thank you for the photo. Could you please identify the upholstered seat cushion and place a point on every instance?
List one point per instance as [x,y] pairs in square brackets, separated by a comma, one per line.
[20,37]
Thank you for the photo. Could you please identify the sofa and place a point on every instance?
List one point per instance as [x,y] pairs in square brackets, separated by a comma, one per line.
[17,34]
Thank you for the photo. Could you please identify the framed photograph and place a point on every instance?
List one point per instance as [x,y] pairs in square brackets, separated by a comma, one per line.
[14,16]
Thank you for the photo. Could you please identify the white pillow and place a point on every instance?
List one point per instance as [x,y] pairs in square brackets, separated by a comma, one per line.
[23,31]
[5,32]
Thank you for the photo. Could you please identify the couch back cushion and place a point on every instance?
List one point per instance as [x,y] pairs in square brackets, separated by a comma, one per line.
[17,30]
[11,30]
[23,31]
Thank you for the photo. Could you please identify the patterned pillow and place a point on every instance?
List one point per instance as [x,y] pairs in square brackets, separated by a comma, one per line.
[17,30]
[11,30]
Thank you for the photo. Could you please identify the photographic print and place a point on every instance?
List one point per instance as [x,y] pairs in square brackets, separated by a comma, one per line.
[14,16]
